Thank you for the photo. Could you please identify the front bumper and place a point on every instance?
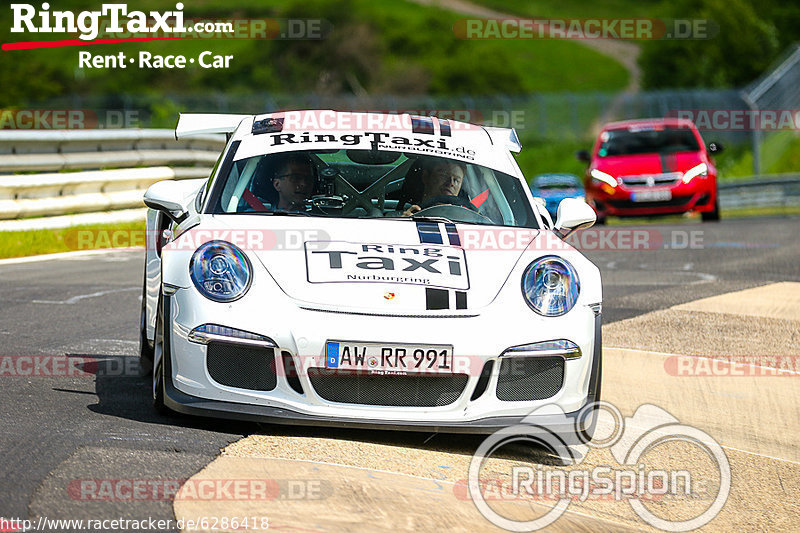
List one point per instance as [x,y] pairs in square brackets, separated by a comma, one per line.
[189,388]
[699,197]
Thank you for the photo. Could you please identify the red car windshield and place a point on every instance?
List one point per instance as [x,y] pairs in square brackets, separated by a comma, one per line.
[647,141]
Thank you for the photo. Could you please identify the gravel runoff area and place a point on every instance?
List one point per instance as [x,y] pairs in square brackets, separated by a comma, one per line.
[383,481]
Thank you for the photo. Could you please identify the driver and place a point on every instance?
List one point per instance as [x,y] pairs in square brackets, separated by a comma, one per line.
[294,181]
[440,177]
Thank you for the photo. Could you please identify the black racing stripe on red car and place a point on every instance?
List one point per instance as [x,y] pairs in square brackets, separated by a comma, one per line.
[461,300]
[429,233]
[452,234]
[669,163]
[437,299]
[422,125]
[444,127]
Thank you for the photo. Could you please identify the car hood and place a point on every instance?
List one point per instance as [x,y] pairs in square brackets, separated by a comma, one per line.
[630,165]
[379,266]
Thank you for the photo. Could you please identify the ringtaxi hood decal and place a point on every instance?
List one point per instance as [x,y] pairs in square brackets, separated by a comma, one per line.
[402,264]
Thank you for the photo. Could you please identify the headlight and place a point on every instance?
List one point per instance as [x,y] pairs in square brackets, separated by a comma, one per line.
[220,271]
[699,170]
[551,286]
[599,175]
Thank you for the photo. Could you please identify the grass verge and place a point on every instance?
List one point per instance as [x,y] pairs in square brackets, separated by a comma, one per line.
[51,241]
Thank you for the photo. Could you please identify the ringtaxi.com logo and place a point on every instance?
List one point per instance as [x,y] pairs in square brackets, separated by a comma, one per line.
[87,23]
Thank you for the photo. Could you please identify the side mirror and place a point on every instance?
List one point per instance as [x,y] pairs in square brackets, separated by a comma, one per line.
[715,147]
[169,197]
[573,214]
[583,156]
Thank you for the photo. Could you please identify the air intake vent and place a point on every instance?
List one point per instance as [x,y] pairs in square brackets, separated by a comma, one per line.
[530,378]
[401,391]
[243,367]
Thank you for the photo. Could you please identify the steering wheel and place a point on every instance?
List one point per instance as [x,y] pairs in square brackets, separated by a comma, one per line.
[446,199]
[452,212]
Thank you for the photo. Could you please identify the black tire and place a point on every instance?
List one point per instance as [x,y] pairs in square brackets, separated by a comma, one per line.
[711,216]
[158,373]
[601,221]
[146,350]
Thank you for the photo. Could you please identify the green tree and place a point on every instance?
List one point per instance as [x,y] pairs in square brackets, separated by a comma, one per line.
[742,48]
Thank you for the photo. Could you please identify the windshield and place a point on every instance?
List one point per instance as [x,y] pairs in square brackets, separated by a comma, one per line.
[371,184]
[647,140]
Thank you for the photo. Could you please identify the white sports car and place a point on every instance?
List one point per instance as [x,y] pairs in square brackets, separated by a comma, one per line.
[369,270]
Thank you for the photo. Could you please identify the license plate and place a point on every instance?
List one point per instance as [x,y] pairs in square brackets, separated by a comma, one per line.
[651,196]
[379,358]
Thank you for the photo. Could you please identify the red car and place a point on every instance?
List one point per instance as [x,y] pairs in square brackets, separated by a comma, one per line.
[651,167]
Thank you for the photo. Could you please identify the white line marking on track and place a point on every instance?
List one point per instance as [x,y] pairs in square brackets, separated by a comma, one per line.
[80,297]
[63,255]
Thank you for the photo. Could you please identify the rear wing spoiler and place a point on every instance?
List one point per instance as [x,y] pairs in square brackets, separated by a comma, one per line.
[505,137]
[201,123]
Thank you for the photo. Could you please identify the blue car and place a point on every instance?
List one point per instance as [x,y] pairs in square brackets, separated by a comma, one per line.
[553,188]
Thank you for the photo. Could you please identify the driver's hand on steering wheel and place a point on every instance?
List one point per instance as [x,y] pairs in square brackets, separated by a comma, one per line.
[411,210]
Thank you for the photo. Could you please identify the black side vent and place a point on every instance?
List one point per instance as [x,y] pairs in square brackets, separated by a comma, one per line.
[290,368]
[483,380]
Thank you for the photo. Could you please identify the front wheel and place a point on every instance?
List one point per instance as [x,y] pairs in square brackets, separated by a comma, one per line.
[145,348]
[711,216]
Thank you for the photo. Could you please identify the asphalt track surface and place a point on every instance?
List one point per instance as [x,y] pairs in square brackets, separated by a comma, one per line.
[59,430]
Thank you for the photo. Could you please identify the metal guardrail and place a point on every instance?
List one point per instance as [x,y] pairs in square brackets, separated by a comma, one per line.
[139,158]
[779,190]
[115,168]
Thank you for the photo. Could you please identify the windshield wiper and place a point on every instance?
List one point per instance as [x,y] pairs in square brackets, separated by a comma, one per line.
[280,213]
[425,218]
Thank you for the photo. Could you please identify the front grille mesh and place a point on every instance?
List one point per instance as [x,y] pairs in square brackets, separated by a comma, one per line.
[676,201]
[656,179]
[400,391]
[243,367]
[530,378]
